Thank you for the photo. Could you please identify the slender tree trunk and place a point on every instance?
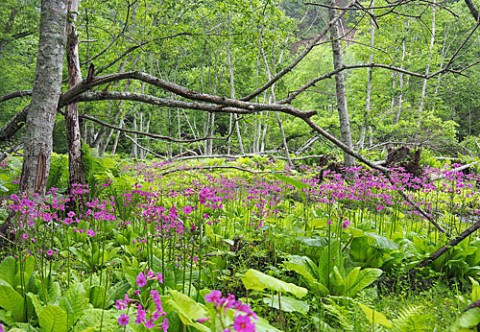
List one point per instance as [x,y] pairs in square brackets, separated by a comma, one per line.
[368,106]
[342,107]
[117,138]
[273,99]
[429,60]
[45,96]
[401,76]
[232,95]
[74,142]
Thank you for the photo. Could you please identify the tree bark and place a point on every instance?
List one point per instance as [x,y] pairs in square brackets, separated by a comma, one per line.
[74,143]
[429,60]
[368,105]
[342,105]
[45,97]
[232,95]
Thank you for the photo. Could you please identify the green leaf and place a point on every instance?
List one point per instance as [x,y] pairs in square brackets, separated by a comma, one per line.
[381,242]
[11,300]
[94,320]
[356,281]
[53,319]
[188,310]
[470,318]
[256,280]
[7,270]
[97,296]
[375,317]
[288,304]
[74,303]
[294,182]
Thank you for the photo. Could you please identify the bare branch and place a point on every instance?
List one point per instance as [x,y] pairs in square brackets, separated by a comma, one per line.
[165,138]
[473,10]
[211,168]
[16,94]
[225,103]
[14,125]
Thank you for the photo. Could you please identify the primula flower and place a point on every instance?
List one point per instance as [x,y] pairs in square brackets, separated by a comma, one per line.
[215,297]
[187,209]
[141,315]
[243,324]
[165,325]
[149,324]
[141,280]
[123,320]
[91,233]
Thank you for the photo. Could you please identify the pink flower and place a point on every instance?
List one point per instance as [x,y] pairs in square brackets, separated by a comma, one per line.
[243,324]
[346,223]
[123,320]
[141,280]
[187,209]
[165,325]
[91,232]
[149,324]
[49,252]
[160,278]
[215,297]
[141,315]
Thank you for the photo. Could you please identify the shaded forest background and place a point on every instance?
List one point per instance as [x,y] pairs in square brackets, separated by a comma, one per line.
[229,48]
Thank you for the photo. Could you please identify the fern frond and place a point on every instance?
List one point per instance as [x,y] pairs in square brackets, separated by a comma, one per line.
[411,318]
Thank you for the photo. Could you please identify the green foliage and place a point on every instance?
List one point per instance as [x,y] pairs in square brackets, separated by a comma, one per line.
[258,281]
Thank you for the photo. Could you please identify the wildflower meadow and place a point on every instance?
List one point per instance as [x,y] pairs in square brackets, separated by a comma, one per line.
[258,246]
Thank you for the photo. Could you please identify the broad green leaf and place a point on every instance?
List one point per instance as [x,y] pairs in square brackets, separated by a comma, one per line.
[7,270]
[35,302]
[470,318]
[262,325]
[94,319]
[294,182]
[302,265]
[475,294]
[11,300]
[74,303]
[306,268]
[375,317]
[288,304]
[53,319]
[188,310]
[97,296]
[362,280]
[256,280]
[381,242]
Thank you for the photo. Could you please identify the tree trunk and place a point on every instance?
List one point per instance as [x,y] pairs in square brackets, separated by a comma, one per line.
[273,100]
[75,163]
[401,77]
[45,96]
[232,95]
[368,106]
[429,60]
[342,107]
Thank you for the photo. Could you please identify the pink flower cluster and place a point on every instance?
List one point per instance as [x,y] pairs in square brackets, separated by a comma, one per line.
[243,313]
[148,312]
